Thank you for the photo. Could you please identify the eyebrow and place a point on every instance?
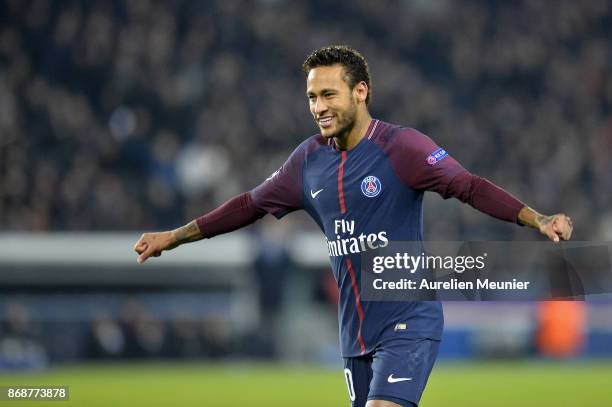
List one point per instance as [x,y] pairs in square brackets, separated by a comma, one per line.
[308,93]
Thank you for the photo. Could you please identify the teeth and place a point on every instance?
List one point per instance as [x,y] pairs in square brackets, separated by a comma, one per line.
[325,121]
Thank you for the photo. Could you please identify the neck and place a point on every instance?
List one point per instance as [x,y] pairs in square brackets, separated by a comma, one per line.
[349,140]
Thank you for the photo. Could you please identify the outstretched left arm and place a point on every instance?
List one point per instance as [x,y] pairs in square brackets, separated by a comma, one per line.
[423,165]
[495,201]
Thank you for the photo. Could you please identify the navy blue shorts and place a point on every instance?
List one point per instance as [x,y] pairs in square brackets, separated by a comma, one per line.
[396,371]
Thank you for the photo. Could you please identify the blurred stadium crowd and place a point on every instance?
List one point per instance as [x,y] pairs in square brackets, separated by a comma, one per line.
[143,114]
[135,333]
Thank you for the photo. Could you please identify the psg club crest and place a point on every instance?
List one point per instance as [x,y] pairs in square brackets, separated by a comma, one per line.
[371,186]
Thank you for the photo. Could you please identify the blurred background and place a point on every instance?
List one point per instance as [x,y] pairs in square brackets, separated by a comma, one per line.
[118,117]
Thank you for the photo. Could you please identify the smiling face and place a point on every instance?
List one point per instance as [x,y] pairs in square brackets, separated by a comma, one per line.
[333,104]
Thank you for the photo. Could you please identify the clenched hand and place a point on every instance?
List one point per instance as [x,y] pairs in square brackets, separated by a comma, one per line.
[152,244]
[556,227]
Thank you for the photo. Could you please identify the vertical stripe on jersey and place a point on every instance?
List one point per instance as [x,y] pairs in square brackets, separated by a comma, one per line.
[340,176]
[349,266]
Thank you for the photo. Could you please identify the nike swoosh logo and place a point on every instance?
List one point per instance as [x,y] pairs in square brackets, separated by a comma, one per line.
[392,379]
[314,194]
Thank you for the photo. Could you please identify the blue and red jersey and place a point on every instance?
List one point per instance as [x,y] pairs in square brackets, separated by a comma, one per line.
[365,197]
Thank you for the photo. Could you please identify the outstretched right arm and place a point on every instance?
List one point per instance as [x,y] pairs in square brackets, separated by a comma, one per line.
[234,214]
[280,194]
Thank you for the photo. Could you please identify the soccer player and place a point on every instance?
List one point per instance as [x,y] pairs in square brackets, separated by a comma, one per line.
[362,181]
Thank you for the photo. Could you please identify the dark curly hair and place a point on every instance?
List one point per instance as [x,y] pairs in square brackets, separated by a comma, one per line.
[354,64]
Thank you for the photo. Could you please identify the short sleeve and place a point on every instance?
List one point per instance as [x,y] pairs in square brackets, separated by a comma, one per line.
[421,163]
[281,193]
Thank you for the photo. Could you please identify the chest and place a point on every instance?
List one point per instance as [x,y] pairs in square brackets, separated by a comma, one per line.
[355,182]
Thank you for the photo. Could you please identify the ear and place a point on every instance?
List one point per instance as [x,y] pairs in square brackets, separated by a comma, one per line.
[361,91]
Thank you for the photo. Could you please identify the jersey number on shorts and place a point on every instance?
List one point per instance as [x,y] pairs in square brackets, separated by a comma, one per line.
[349,383]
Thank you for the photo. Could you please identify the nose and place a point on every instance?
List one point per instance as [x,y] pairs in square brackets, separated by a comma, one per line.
[319,106]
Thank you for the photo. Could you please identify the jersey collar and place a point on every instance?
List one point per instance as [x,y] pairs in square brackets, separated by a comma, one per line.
[369,134]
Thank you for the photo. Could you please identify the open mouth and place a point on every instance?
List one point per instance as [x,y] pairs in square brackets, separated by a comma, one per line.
[325,121]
